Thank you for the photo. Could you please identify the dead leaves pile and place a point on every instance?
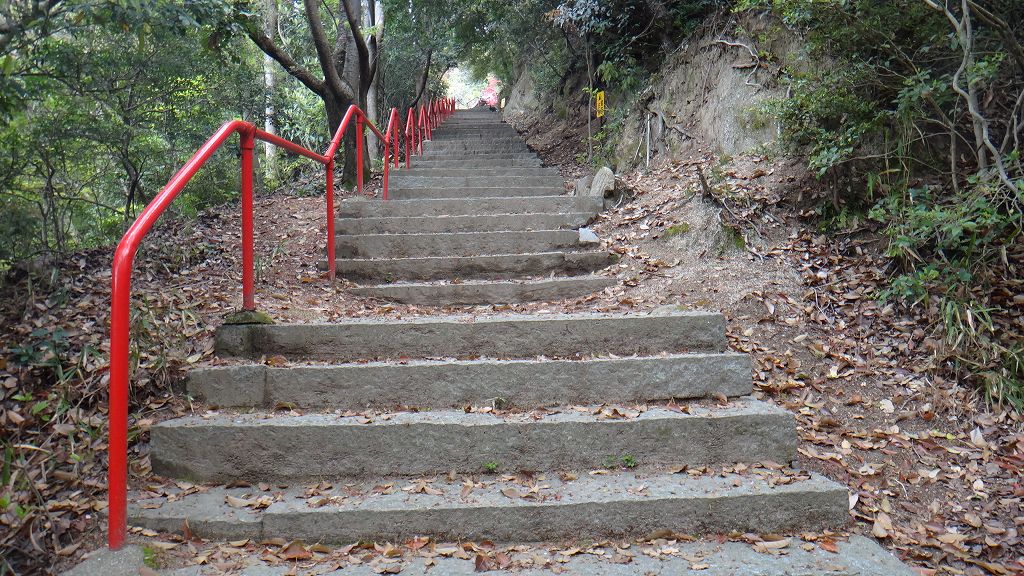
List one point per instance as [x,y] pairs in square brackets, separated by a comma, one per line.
[53,369]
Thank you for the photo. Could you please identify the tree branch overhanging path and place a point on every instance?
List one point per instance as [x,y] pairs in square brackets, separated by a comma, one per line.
[338,85]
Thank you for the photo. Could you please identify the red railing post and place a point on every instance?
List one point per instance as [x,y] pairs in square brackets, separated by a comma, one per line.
[359,153]
[394,134]
[117,459]
[331,264]
[248,142]
[410,130]
[419,131]
[384,191]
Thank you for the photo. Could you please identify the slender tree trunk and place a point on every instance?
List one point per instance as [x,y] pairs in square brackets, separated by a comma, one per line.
[423,79]
[373,17]
[351,74]
[269,86]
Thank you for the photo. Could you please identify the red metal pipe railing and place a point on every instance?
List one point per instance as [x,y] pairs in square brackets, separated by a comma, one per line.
[127,248]
[410,129]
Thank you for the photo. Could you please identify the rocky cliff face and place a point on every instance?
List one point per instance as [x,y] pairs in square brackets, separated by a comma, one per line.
[706,94]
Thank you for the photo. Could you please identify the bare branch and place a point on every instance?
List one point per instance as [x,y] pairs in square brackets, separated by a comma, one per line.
[286,61]
[323,50]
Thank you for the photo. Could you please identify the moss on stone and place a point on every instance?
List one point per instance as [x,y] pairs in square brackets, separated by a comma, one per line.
[248,317]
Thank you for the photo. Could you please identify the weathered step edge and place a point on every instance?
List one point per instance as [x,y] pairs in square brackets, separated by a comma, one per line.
[511,336]
[481,223]
[513,383]
[466,192]
[258,448]
[494,266]
[483,292]
[616,505]
[453,243]
[450,207]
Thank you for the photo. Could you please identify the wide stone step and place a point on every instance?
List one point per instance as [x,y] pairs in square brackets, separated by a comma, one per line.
[483,292]
[457,383]
[453,243]
[482,223]
[497,266]
[475,192]
[484,149]
[525,172]
[477,155]
[505,336]
[477,162]
[255,447]
[466,133]
[471,182]
[360,208]
[614,505]
[494,144]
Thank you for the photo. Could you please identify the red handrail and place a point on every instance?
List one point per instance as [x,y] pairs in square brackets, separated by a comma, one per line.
[410,129]
[124,257]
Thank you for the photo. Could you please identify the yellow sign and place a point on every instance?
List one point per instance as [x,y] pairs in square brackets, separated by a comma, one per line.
[600,104]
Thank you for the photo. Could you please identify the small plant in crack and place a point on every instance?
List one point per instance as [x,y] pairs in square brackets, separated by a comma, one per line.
[491,467]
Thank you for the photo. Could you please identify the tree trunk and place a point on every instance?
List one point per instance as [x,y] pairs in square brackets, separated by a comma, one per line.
[351,74]
[269,85]
[335,114]
[372,16]
[423,78]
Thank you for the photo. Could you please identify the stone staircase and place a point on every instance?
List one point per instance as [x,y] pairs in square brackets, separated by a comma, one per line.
[387,404]
[477,220]
[511,428]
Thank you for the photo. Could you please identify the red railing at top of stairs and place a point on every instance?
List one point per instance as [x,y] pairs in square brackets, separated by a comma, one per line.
[124,257]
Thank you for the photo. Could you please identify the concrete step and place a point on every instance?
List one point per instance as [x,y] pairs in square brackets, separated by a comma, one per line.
[361,208]
[482,223]
[487,292]
[482,149]
[479,132]
[493,144]
[453,243]
[262,447]
[476,192]
[851,556]
[498,266]
[477,155]
[421,162]
[470,182]
[594,507]
[525,172]
[507,336]
[457,383]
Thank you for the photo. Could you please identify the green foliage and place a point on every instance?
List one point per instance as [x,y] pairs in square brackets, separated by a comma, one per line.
[93,122]
[880,107]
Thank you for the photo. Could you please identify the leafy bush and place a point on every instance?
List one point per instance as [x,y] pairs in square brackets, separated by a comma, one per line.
[915,108]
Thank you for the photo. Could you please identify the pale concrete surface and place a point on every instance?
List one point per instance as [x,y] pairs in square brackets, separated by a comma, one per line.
[481,223]
[257,447]
[448,384]
[496,266]
[477,292]
[857,557]
[619,504]
[103,562]
[493,191]
[506,336]
[453,243]
[468,206]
